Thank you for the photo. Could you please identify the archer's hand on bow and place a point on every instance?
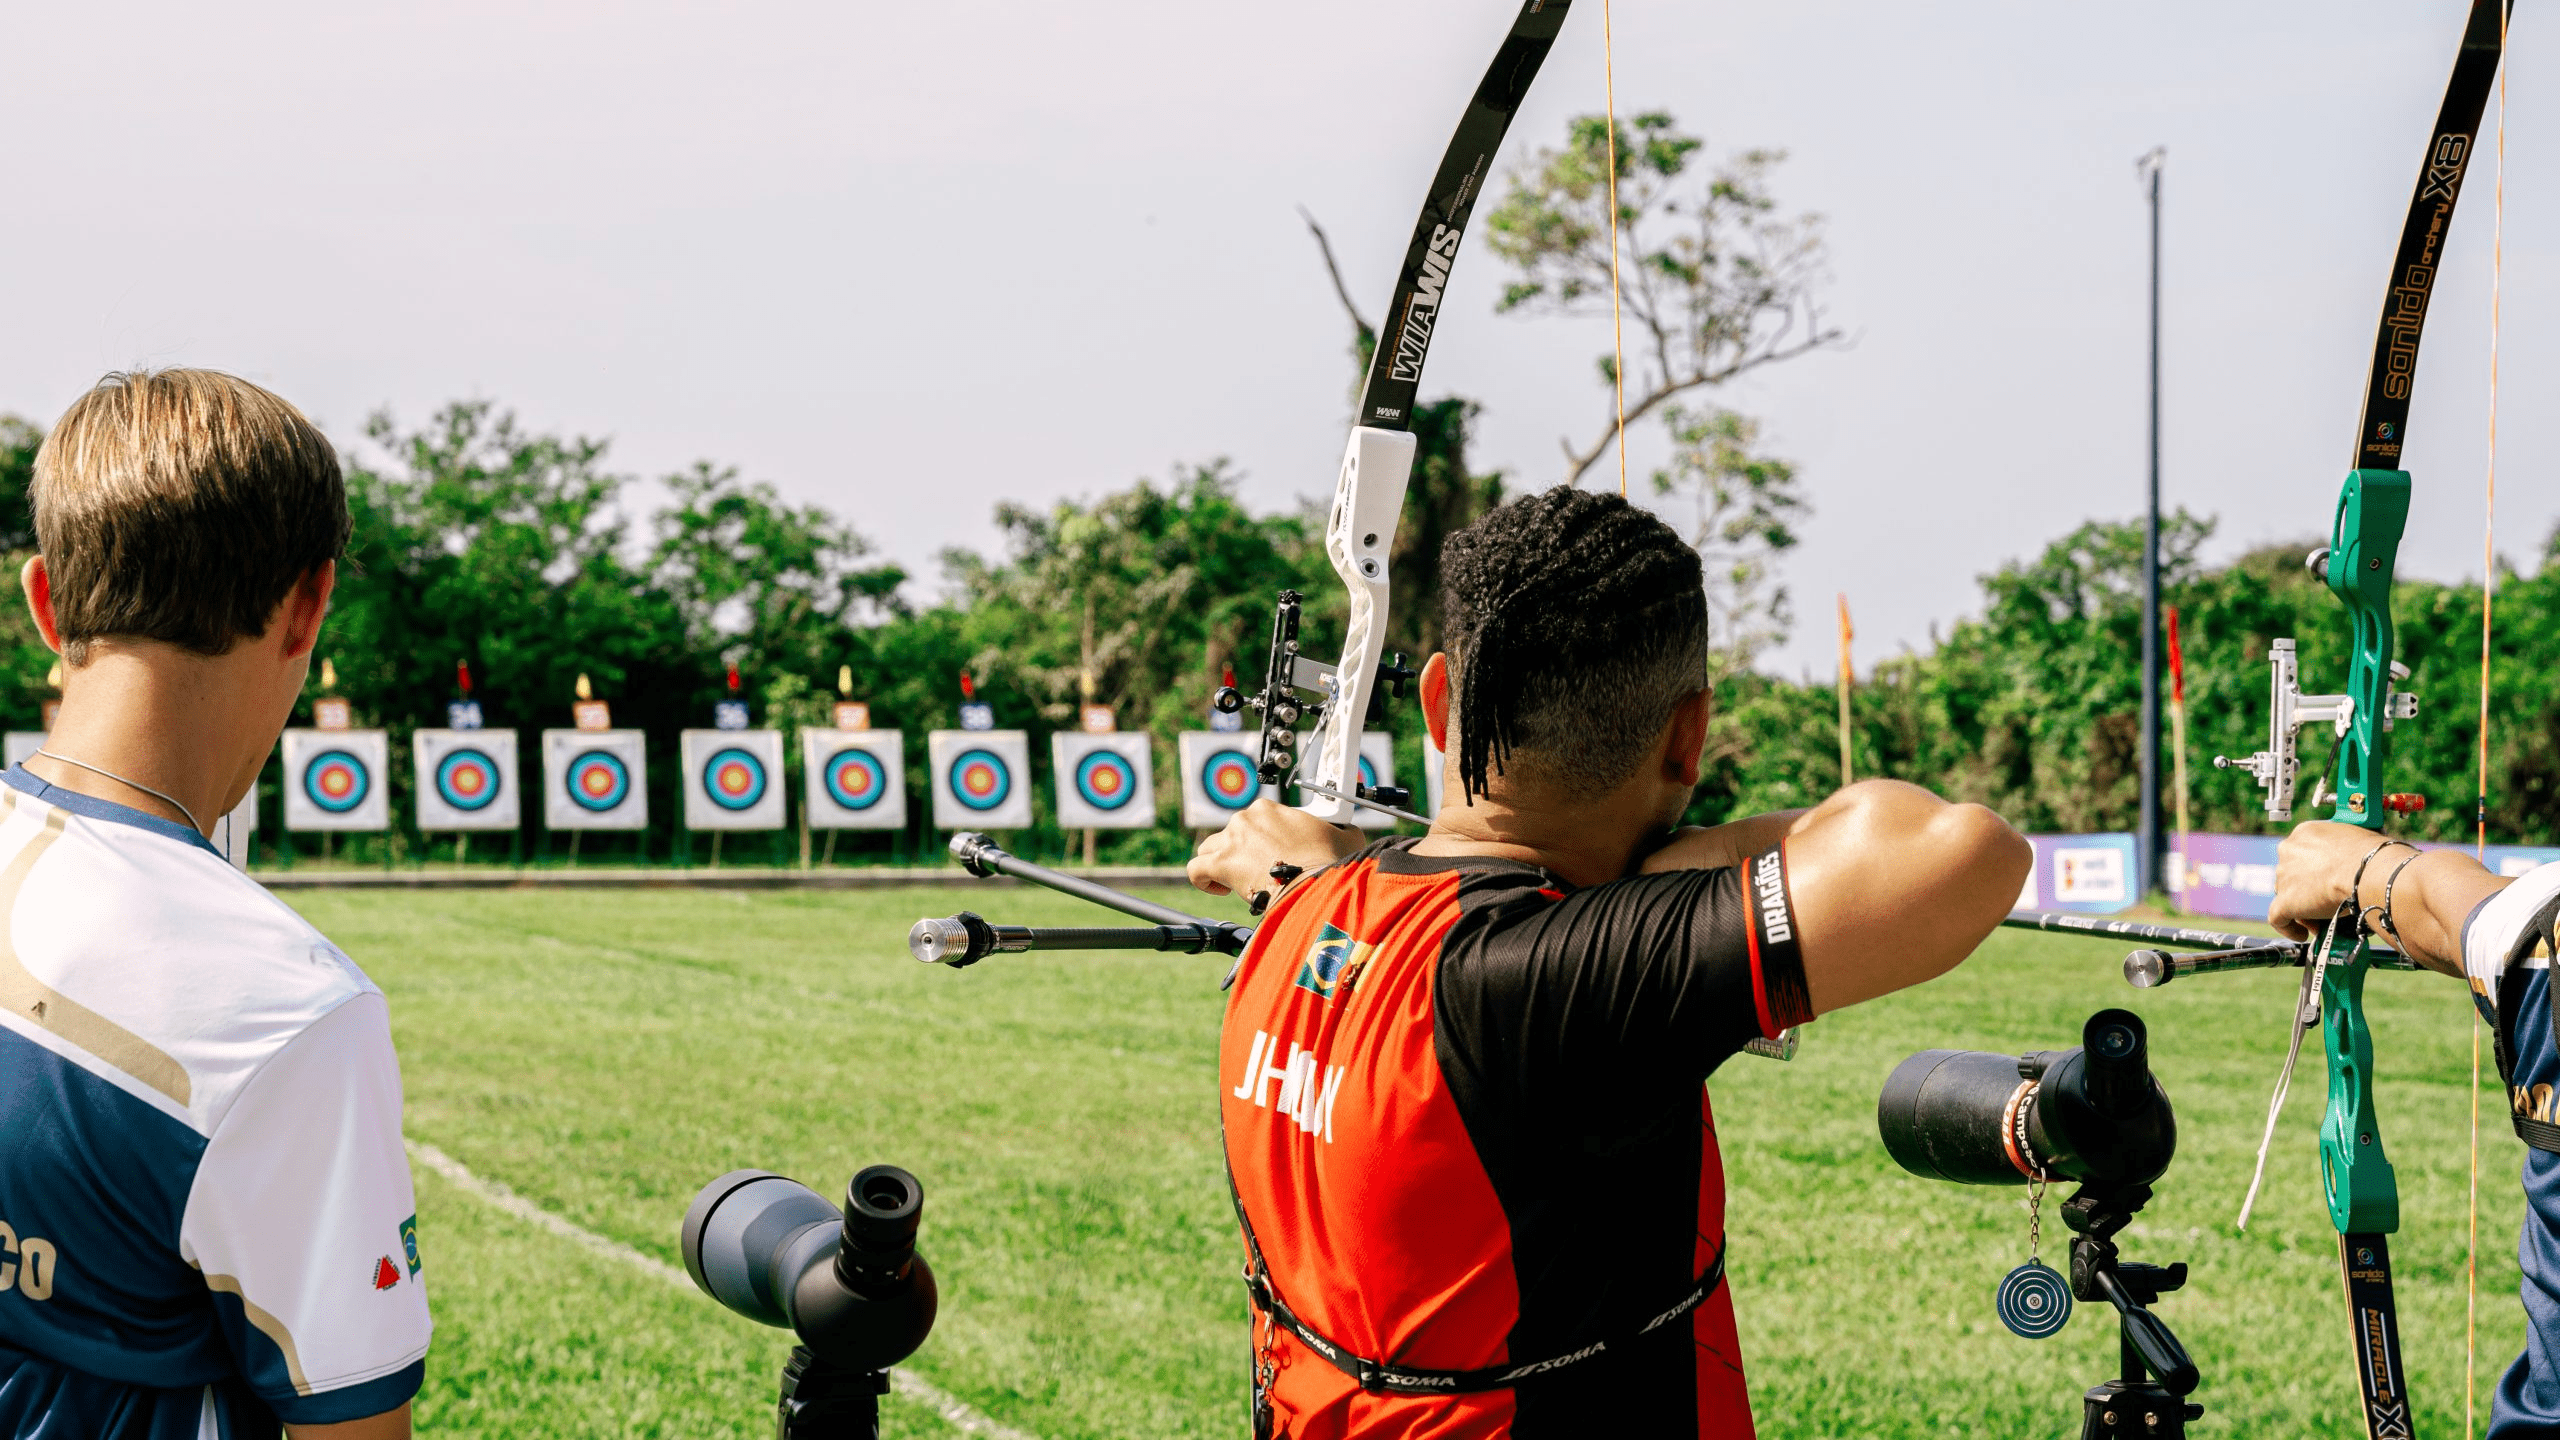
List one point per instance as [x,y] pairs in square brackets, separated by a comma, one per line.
[2414,900]
[1265,836]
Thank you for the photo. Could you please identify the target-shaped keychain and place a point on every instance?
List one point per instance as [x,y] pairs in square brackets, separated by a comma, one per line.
[2034,1301]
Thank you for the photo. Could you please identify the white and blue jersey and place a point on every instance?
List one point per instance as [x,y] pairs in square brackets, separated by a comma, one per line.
[206,1221]
[2506,953]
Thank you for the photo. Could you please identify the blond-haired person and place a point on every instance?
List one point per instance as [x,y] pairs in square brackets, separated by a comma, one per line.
[209,1226]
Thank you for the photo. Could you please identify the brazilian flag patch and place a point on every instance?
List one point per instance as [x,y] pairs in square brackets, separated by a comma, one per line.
[409,1242]
[1333,963]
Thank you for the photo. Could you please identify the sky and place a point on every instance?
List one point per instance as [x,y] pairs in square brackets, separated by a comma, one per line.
[909,262]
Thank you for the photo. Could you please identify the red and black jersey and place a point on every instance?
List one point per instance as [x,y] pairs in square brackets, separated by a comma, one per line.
[1465,1112]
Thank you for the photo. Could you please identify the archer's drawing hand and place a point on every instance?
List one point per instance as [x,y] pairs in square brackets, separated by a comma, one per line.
[1239,859]
[2314,866]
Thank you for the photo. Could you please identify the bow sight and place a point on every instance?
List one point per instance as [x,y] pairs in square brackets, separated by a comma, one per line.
[1297,691]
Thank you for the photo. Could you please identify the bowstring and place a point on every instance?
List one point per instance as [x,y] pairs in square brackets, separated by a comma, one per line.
[1617,316]
[2480,814]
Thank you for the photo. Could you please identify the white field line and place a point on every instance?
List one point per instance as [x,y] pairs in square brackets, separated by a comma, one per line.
[954,1411]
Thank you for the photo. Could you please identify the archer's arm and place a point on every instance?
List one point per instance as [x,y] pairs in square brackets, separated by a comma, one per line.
[1893,886]
[2434,893]
[1713,847]
[1238,859]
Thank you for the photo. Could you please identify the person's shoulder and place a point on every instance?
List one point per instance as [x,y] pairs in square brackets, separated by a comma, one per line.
[160,956]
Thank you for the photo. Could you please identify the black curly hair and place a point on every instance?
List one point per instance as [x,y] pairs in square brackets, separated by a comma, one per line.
[1574,622]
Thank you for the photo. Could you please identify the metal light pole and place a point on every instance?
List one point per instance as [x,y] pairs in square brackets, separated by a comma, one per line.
[2148,827]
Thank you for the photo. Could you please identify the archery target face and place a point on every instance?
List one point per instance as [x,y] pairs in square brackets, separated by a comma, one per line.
[335,780]
[595,780]
[1218,777]
[980,779]
[1105,779]
[732,779]
[857,779]
[467,780]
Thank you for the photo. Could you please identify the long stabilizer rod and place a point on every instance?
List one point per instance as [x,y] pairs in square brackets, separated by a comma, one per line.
[2187,936]
[2223,950]
[967,938]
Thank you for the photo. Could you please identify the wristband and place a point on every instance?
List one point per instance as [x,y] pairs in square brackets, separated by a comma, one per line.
[2355,887]
[2391,923]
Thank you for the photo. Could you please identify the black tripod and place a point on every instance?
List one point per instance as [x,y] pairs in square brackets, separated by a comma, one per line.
[2135,1405]
[822,1401]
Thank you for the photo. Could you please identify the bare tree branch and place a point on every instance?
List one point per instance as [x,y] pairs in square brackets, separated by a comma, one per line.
[1365,335]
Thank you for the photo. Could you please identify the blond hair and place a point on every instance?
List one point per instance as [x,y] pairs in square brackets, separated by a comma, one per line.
[182,506]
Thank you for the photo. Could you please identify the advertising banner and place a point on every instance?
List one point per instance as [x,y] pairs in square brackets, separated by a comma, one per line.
[2092,874]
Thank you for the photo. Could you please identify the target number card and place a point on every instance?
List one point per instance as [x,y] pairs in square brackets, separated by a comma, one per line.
[467,780]
[857,778]
[337,779]
[595,780]
[1218,777]
[732,779]
[1105,781]
[981,779]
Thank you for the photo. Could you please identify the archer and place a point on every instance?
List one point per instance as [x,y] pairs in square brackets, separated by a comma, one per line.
[2448,913]
[1463,1076]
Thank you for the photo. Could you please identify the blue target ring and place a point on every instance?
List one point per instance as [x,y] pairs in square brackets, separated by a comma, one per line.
[598,781]
[733,779]
[336,781]
[1368,774]
[2034,1301]
[467,779]
[1229,779]
[1106,780]
[980,779]
[856,779]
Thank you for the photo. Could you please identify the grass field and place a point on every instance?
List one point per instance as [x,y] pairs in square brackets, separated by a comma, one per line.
[604,1055]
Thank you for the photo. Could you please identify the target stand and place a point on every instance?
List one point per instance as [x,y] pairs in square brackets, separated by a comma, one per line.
[1106,780]
[1218,776]
[337,780]
[981,779]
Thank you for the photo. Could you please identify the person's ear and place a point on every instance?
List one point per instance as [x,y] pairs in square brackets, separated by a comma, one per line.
[1435,699]
[1684,742]
[305,606]
[38,583]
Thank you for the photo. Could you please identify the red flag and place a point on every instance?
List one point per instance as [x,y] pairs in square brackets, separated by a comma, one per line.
[1227,676]
[2177,661]
[733,678]
[968,691]
[462,677]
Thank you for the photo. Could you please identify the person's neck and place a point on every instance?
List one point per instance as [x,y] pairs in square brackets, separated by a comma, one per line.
[1587,842]
[149,722]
